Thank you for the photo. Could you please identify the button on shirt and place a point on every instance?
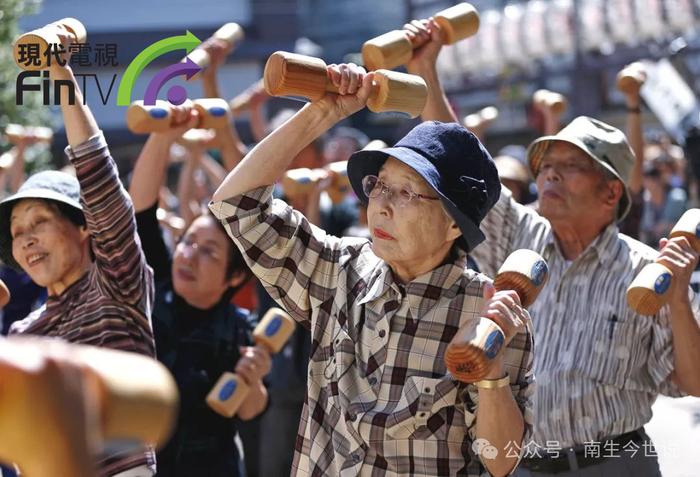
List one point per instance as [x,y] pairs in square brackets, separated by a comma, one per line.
[379,400]
[599,365]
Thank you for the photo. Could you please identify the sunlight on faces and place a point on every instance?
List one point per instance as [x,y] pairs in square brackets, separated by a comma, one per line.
[51,249]
[422,232]
[570,186]
[200,262]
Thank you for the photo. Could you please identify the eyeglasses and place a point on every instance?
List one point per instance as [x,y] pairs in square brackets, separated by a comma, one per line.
[373,187]
[204,250]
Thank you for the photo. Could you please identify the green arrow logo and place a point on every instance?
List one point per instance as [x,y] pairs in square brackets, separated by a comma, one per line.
[188,42]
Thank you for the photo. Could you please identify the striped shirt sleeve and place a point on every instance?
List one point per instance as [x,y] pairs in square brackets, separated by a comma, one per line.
[506,221]
[109,214]
[661,360]
[297,262]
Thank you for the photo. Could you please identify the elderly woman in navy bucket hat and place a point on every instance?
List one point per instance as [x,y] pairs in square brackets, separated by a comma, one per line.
[382,312]
[77,237]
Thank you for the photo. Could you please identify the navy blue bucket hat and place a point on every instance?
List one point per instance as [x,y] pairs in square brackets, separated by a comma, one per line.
[452,161]
[49,185]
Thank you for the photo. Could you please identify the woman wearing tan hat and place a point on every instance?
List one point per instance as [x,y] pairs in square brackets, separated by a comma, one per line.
[77,238]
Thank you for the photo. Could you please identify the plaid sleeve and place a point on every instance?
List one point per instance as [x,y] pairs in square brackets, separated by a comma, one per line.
[296,262]
[109,214]
[518,361]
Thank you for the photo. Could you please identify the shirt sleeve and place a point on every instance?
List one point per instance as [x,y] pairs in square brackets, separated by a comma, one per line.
[506,221]
[154,248]
[109,214]
[297,263]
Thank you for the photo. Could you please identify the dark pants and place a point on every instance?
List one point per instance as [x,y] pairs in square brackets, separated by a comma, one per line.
[642,463]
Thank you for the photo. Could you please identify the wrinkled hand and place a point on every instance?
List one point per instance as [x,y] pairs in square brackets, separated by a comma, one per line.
[56,71]
[217,50]
[503,307]
[184,118]
[429,34]
[679,257]
[354,87]
[255,362]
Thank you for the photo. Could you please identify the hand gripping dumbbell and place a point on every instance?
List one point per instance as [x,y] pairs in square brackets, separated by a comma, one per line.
[290,74]
[43,37]
[648,292]
[230,390]
[478,342]
[631,78]
[394,49]
[214,113]
[231,33]
[550,100]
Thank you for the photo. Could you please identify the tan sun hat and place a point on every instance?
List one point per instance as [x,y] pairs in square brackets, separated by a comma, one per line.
[512,169]
[605,144]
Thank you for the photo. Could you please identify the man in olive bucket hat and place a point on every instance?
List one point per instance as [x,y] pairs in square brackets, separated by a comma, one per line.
[599,364]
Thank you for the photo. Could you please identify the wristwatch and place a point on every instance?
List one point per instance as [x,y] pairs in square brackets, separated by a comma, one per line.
[493,383]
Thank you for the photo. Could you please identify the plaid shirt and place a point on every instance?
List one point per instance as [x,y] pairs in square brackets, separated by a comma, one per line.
[380,400]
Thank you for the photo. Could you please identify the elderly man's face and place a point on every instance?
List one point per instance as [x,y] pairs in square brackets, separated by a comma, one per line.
[410,236]
[570,186]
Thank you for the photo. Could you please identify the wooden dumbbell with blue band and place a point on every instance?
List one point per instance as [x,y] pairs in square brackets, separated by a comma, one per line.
[476,345]
[214,113]
[649,290]
[230,390]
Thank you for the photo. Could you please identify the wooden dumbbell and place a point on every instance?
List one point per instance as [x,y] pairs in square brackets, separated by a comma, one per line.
[631,78]
[649,290]
[478,342]
[394,48]
[15,133]
[230,390]
[241,103]
[231,33]
[46,36]
[289,74]
[134,397]
[340,183]
[550,100]
[214,113]
[481,119]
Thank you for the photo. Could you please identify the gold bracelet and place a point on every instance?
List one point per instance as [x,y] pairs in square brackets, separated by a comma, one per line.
[493,383]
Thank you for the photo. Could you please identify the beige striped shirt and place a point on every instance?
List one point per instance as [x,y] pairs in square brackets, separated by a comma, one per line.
[599,365]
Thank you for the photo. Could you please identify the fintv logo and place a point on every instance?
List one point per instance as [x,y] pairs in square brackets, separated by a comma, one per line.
[29,55]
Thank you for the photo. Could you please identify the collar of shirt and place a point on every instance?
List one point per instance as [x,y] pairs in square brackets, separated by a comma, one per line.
[423,291]
[605,245]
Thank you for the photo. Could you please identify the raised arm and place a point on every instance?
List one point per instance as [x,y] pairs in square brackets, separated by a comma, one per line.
[151,166]
[423,64]
[636,138]
[297,262]
[109,213]
[232,148]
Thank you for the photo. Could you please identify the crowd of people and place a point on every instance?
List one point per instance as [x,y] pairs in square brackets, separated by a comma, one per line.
[381,254]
